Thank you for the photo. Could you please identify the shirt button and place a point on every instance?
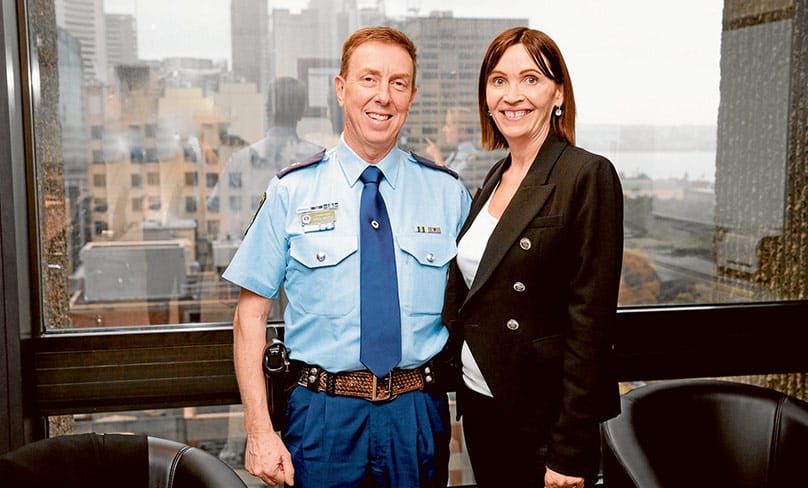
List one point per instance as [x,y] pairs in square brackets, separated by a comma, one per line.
[512,324]
[430,257]
[525,243]
[374,224]
[321,256]
[519,287]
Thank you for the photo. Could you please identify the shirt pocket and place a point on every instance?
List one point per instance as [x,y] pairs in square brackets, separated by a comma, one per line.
[423,278]
[319,274]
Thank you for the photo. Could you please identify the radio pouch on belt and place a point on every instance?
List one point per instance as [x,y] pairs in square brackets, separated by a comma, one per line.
[276,372]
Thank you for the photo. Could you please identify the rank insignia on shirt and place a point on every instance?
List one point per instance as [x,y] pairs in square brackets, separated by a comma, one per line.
[318,217]
[422,229]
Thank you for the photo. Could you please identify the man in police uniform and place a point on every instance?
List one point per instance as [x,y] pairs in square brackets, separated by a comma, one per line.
[347,426]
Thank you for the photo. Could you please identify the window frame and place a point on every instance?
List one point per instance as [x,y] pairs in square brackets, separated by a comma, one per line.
[82,371]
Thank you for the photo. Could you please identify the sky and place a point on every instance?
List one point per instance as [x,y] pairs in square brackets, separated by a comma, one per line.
[631,61]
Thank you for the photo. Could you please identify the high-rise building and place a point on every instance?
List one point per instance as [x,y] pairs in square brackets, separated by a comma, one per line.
[450,50]
[75,139]
[249,32]
[159,155]
[121,39]
[84,19]
[343,18]
[316,33]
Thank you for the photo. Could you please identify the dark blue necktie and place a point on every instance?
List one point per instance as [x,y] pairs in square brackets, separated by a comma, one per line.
[380,342]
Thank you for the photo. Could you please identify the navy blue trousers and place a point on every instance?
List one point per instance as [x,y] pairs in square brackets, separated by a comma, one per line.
[338,441]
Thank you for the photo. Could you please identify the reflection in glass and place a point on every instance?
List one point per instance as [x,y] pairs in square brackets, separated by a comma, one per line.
[172,121]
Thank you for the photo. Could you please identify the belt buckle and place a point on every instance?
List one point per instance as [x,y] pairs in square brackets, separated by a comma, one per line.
[374,397]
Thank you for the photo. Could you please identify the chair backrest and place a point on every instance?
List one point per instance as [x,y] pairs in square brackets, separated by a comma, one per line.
[789,461]
[120,460]
[176,465]
[705,433]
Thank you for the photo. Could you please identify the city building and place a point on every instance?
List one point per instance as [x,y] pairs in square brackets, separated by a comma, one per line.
[85,20]
[249,32]
[121,39]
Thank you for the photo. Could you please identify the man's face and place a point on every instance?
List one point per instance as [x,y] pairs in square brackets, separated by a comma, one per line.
[375,94]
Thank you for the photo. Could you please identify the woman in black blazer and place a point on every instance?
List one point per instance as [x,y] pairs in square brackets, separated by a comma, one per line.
[532,295]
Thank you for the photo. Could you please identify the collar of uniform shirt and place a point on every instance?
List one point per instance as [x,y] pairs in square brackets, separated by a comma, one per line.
[352,165]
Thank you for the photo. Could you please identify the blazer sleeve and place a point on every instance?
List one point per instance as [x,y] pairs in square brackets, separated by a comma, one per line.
[590,390]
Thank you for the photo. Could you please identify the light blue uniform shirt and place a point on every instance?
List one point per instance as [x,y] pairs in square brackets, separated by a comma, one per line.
[306,237]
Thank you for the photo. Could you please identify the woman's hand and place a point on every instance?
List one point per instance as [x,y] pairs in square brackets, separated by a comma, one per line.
[433,151]
[558,480]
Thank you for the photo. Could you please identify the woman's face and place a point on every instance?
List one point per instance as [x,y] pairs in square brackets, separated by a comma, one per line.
[520,98]
[451,131]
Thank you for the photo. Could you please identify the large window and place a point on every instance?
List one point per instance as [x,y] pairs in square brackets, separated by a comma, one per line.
[136,102]
[699,145]
[185,86]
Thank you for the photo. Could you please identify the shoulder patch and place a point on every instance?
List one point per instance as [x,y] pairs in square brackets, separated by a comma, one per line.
[260,204]
[431,164]
[302,164]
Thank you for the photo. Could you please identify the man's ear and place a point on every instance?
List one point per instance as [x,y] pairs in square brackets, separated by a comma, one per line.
[339,86]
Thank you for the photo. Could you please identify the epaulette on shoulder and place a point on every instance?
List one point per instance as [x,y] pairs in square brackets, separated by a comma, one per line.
[302,164]
[431,164]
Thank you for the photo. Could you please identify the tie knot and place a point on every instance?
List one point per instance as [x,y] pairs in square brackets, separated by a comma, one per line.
[372,174]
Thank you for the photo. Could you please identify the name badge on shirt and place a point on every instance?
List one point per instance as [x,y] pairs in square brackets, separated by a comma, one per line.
[318,217]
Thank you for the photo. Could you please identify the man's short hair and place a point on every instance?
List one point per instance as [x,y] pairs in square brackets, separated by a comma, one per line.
[379,34]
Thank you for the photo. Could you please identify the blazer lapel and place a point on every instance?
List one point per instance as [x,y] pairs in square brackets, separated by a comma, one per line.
[530,197]
[484,193]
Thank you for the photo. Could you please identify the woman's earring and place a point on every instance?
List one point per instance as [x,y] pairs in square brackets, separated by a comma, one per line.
[557,111]
[489,114]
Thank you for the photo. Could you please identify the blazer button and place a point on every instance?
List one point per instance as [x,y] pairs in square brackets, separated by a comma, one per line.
[512,324]
[525,243]
[519,287]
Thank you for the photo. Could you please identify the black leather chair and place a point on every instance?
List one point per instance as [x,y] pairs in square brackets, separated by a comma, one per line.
[706,433]
[120,460]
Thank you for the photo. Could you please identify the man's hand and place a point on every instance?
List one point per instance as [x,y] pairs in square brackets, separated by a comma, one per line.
[268,459]
[558,480]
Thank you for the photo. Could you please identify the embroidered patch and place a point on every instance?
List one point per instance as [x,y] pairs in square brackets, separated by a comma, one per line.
[260,204]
